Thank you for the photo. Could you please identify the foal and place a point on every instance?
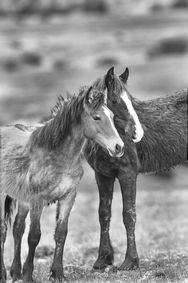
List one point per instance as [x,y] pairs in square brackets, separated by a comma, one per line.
[43,165]
[164,145]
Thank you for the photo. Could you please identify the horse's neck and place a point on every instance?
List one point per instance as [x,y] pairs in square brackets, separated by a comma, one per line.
[51,138]
[71,147]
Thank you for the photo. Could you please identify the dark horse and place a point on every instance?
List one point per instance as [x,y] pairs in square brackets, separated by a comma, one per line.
[41,165]
[163,146]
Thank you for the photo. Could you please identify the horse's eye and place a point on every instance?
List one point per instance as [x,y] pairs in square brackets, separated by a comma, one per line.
[96,117]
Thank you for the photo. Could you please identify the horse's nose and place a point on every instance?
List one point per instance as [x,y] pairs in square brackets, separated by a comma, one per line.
[119,149]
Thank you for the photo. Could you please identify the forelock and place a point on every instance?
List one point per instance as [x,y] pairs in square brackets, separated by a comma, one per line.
[98,99]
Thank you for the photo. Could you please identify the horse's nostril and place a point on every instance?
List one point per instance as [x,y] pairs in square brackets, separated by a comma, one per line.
[117,148]
[134,132]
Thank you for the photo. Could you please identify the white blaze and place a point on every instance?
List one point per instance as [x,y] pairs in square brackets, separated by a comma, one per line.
[107,112]
[139,131]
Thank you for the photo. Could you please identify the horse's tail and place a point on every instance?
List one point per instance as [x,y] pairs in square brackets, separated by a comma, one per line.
[9,208]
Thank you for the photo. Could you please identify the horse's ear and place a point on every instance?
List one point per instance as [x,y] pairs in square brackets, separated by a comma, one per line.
[89,96]
[124,76]
[109,77]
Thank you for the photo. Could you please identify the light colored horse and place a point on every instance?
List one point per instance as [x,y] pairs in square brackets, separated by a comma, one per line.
[41,165]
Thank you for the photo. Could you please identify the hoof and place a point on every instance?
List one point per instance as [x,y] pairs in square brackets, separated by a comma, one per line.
[58,279]
[129,264]
[56,275]
[26,280]
[15,274]
[103,261]
[3,274]
[27,273]
[2,280]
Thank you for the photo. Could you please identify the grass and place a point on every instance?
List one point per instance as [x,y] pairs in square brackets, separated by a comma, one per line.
[161,233]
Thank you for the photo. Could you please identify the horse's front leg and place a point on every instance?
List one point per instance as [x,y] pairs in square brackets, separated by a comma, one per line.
[3,231]
[106,254]
[128,188]
[18,231]
[63,210]
[36,207]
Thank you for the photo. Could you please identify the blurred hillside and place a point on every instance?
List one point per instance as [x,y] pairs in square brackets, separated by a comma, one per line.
[42,57]
[49,7]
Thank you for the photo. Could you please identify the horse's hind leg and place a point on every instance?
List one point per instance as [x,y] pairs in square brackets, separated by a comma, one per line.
[63,211]
[106,254]
[36,207]
[18,231]
[3,231]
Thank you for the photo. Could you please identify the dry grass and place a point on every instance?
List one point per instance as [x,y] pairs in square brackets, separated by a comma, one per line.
[161,233]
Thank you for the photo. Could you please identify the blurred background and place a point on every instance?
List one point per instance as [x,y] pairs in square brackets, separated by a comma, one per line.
[48,47]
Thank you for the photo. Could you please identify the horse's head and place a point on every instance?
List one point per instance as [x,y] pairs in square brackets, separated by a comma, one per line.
[98,122]
[119,101]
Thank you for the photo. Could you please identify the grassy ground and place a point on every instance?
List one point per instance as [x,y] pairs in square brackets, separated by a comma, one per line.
[39,60]
[161,233]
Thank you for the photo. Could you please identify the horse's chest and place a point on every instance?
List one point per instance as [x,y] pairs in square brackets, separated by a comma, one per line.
[68,182]
[104,163]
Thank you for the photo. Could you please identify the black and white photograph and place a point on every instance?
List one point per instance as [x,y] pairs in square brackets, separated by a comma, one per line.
[94,141]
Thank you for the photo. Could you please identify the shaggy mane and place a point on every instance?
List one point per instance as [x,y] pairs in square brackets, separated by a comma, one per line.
[64,114]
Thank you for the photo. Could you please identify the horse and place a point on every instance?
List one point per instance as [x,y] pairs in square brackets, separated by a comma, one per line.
[164,144]
[41,165]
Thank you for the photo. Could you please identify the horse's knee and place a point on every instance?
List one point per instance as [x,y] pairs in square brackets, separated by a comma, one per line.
[34,237]
[129,217]
[104,214]
[18,228]
[61,231]
[3,231]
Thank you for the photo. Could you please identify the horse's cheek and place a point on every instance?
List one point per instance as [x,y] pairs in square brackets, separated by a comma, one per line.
[89,130]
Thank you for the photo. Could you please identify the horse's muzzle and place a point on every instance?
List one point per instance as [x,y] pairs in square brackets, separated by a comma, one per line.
[118,151]
[137,134]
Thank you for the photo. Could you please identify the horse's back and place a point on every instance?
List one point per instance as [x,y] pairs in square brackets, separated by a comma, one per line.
[13,143]
[164,144]
[13,134]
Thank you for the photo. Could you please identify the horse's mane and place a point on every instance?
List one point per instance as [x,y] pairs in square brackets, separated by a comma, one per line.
[64,114]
